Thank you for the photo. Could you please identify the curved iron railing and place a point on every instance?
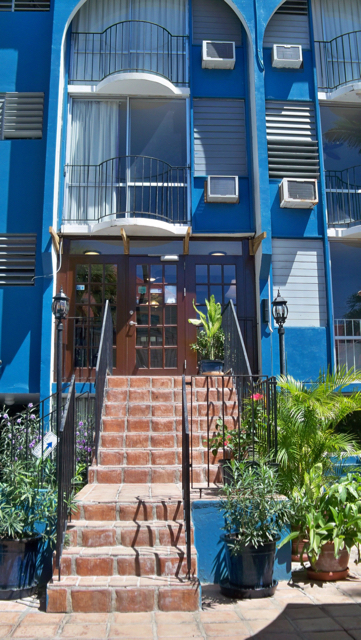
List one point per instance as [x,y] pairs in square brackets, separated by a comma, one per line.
[343,193]
[338,61]
[127,186]
[133,46]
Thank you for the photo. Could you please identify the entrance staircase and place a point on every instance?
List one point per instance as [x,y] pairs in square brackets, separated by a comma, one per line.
[126,547]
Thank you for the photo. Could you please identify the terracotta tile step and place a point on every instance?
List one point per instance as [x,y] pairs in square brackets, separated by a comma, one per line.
[122,593]
[162,441]
[169,395]
[152,533]
[131,426]
[135,510]
[169,409]
[143,474]
[154,457]
[168,382]
[120,560]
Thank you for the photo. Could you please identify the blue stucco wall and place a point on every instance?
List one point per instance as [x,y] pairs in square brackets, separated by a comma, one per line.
[289,84]
[208,522]
[215,217]
[220,83]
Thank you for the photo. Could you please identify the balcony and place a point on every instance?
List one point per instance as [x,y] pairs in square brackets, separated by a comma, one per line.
[126,187]
[338,61]
[348,343]
[129,46]
[343,194]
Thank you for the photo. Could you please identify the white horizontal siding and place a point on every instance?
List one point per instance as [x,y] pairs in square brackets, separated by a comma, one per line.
[284,28]
[215,20]
[219,137]
[299,273]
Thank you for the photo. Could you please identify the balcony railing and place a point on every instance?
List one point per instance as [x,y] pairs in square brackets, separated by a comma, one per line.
[338,61]
[128,186]
[343,193]
[348,343]
[132,45]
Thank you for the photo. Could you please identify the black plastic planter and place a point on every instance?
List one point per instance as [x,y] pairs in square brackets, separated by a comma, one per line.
[211,366]
[251,569]
[18,568]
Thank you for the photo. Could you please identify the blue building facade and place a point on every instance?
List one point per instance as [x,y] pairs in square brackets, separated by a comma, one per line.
[155,152]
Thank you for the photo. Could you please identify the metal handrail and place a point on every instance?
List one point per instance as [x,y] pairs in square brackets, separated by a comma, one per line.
[235,354]
[126,186]
[338,61]
[103,369]
[186,477]
[129,45]
[65,469]
[343,194]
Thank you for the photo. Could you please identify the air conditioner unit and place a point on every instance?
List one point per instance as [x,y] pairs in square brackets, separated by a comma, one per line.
[287,56]
[298,193]
[218,55]
[222,189]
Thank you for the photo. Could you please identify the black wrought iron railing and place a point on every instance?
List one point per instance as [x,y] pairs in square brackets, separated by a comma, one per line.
[103,369]
[338,61]
[343,194]
[131,46]
[82,342]
[65,469]
[127,186]
[235,354]
[186,477]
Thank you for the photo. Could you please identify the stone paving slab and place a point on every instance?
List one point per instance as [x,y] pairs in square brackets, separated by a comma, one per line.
[299,610]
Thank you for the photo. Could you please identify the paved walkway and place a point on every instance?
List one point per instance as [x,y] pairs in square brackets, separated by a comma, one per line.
[298,611]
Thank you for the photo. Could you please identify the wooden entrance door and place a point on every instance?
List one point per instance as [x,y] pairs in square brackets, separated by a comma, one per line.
[156,317]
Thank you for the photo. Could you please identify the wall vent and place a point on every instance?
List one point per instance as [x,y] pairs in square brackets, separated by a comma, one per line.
[298,194]
[292,140]
[17,259]
[287,56]
[294,7]
[217,54]
[21,115]
[24,5]
[289,25]
[222,189]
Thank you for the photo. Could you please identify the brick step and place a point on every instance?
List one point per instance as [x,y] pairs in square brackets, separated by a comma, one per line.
[143,474]
[156,396]
[126,561]
[132,511]
[153,457]
[130,425]
[94,594]
[169,409]
[151,533]
[167,382]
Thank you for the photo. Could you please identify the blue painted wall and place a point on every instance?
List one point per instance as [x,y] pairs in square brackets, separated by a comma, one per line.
[208,522]
[215,217]
[294,223]
[220,83]
[289,84]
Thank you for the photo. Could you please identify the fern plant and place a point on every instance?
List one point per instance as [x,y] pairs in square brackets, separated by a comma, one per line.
[308,415]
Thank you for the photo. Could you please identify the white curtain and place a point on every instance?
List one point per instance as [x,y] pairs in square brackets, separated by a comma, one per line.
[93,187]
[332,18]
[96,15]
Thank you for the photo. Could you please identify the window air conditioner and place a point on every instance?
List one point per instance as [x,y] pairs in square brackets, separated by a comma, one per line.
[298,193]
[222,189]
[218,55]
[287,56]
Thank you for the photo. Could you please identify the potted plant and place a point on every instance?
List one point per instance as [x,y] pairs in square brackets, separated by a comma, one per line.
[210,341]
[333,526]
[255,515]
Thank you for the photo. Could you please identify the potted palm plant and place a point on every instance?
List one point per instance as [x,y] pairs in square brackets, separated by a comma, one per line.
[255,515]
[210,340]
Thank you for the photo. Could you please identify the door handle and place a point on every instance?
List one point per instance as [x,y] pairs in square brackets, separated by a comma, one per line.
[132,323]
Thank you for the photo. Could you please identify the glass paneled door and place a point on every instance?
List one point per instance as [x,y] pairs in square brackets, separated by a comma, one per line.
[155,335]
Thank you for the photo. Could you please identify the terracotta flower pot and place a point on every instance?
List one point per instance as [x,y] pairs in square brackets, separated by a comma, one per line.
[297,547]
[327,567]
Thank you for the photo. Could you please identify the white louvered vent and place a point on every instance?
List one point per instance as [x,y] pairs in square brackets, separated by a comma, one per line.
[291,140]
[22,115]
[17,259]
[219,137]
[289,25]
[299,272]
[1,115]
[24,5]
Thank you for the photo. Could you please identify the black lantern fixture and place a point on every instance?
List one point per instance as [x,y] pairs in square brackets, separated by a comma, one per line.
[60,309]
[280,313]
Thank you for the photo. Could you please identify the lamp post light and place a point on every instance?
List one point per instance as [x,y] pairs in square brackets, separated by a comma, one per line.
[60,309]
[280,313]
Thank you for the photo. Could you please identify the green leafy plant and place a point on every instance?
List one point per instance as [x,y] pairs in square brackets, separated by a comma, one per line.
[234,442]
[210,341]
[333,516]
[254,511]
[307,419]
